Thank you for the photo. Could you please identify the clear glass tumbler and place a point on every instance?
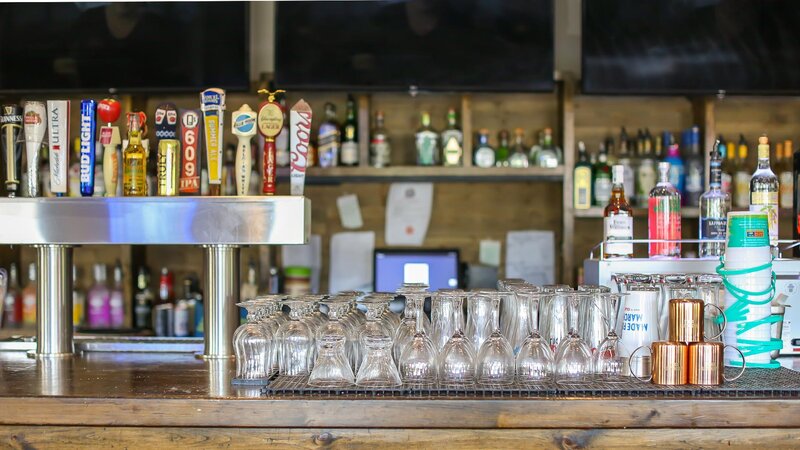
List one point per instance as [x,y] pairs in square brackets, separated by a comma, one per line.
[378,369]
[297,340]
[331,369]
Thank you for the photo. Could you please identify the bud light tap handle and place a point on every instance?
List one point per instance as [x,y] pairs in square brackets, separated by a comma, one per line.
[88,131]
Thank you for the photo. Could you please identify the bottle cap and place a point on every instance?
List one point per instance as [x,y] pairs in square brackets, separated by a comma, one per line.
[763,147]
[663,166]
[617,174]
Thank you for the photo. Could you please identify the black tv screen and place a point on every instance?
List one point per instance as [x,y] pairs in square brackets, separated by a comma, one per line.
[431,44]
[123,46]
[691,46]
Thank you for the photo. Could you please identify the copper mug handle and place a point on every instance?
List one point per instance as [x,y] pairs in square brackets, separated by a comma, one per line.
[744,363]
[724,324]
[630,367]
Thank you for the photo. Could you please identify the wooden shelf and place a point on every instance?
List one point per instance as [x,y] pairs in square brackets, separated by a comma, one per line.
[597,212]
[336,175]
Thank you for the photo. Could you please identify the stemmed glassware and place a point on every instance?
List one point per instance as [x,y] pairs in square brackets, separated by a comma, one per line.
[375,304]
[446,317]
[252,344]
[419,358]
[534,362]
[414,294]
[609,358]
[457,359]
[521,326]
[480,317]
[378,369]
[338,307]
[496,357]
[573,356]
[297,339]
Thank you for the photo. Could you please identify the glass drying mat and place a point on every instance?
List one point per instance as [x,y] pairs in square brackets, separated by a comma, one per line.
[754,383]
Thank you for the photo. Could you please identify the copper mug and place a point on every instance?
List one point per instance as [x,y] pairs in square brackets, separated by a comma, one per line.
[686,320]
[706,364]
[670,363]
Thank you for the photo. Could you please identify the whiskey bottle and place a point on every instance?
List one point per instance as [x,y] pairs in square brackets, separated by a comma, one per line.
[330,138]
[380,150]
[134,161]
[618,218]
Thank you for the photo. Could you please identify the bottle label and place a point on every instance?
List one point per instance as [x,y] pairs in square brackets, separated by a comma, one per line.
[664,222]
[618,228]
[713,227]
[117,306]
[133,176]
[452,152]
[583,187]
[426,148]
[328,147]
[349,153]
[767,203]
[786,190]
[602,191]
[380,153]
[484,157]
[741,189]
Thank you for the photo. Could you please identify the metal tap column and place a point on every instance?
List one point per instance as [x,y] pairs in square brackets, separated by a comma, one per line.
[221,288]
[54,301]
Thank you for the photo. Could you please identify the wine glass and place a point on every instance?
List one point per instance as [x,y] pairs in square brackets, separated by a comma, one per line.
[418,360]
[331,369]
[457,359]
[338,307]
[445,318]
[495,357]
[534,361]
[297,340]
[609,358]
[378,369]
[479,317]
[414,294]
[375,304]
[573,356]
[520,319]
[252,345]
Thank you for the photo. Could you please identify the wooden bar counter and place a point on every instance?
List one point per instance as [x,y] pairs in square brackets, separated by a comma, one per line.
[174,400]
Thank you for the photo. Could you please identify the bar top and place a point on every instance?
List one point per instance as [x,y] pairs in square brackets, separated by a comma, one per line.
[128,389]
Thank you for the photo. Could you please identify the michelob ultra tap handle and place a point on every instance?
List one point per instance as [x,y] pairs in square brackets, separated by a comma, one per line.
[212,105]
[58,134]
[109,111]
[35,125]
[10,131]
[244,127]
[270,122]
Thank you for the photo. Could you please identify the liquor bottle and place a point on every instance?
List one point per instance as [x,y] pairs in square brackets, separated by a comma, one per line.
[249,288]
[380,150]
[166,286]
[726,154]
[626,161]
[601,179]
[143,308]
[29,298]
[695,167]
[134,161]
[349,153]
[503,150]
[549,155]
[99,311]
[229,171]
[330,138]
[785,177]
[582,180]
[764,189]
[677,174]
[12,304]
[646,172]
[664,216]
[741,178]
[714,206]
[452,141]
[427,142]
[484,153]
[658,149]
[78,300]
[117,299]
[618,218]
[519,155]
[611,155]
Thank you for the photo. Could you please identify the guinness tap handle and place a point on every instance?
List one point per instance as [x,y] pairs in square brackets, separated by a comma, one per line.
[35,126]
[244,127]
[10,129]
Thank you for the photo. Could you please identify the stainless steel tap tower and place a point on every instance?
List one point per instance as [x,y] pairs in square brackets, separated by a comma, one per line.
[221,225]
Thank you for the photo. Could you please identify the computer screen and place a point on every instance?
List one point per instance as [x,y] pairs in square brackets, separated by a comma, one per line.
[437,268]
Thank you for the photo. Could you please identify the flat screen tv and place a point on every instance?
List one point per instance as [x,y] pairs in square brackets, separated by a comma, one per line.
[691,47]
[123,47]
[437,45]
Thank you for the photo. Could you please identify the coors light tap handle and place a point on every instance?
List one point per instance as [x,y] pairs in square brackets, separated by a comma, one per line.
[10,130]
[109,110]
[213,107]
[34,128]
[270,122]
[87,134]
[244,127]
[190,160]
[58,134]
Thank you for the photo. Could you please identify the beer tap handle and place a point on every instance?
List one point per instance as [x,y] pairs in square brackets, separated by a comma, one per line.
[270,122]
[88,131]
[244,127]
[35,125]
[109,111]
[213,109]
[58,133]
[10,129]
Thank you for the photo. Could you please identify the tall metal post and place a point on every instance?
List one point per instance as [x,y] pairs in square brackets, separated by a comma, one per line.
[54,301]
[221,289]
